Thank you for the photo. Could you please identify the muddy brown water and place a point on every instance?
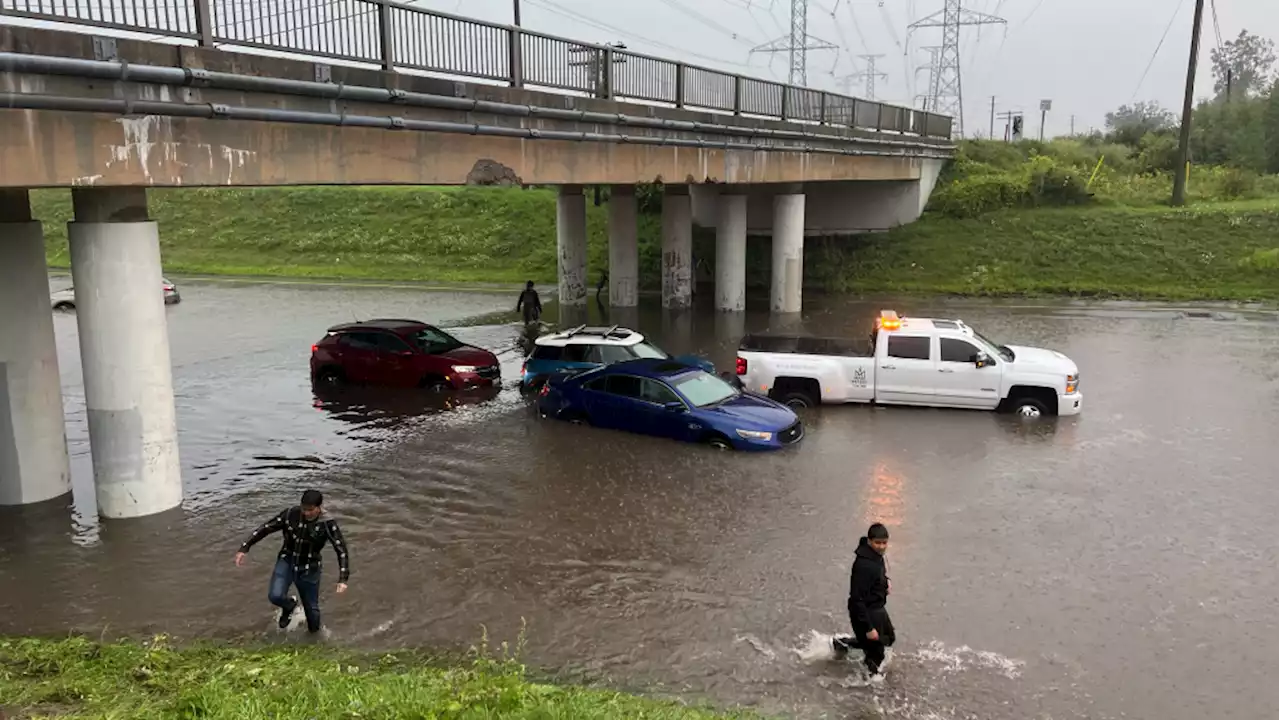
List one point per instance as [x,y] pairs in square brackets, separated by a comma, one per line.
[1119,564]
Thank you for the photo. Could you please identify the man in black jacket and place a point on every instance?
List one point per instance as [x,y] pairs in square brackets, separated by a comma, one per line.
[529,304]
[306,531]
[868,591]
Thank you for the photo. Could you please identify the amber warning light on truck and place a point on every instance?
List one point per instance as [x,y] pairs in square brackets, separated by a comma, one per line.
[889,320]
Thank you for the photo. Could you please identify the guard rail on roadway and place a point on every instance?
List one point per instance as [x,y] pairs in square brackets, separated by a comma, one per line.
[395,36]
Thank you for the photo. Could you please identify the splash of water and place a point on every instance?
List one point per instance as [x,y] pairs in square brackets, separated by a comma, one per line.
[960,658]
[816,647]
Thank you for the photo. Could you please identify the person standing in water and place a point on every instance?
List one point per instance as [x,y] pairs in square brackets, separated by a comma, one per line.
[530,303]
[307,529]
[868,593]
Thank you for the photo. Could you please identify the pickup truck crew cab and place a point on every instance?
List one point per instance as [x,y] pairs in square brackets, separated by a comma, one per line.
[911,361]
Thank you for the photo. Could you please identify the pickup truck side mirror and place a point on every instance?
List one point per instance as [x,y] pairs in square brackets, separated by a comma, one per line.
[982,360]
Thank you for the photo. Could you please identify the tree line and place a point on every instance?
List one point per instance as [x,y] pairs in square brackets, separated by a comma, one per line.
[1235,127]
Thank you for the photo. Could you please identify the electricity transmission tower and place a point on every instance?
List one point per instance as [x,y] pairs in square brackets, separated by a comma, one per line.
[797,44]
[870,75]
[945,90]
[926,98]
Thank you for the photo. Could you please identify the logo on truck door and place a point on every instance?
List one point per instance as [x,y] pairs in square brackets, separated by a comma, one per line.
[859,378]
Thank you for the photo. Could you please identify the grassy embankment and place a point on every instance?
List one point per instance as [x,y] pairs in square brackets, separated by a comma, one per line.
[78,678]
[1004,220]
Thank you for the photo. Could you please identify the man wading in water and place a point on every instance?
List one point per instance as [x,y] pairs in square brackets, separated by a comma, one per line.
[868,591]
[529,302]
[306,530]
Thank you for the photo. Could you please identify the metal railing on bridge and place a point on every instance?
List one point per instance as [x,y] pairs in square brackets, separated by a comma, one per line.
[392,36]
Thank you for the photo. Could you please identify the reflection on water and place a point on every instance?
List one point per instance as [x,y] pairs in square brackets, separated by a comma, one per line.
[1089,554]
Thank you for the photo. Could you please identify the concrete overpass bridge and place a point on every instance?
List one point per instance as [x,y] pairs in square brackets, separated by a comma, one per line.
[368,92]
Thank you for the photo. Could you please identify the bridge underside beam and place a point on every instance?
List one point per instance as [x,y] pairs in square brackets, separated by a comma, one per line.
[47,148]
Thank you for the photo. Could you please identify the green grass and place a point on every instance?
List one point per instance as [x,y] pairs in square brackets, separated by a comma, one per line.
[79,678]
[1207,251]
[1219,251]
[386,233]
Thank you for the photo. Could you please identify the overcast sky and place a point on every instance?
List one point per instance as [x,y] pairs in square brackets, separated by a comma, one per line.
[1088,56]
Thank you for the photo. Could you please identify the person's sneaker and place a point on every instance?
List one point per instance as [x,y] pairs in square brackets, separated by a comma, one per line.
[286,614]
[840,645]
[876,678]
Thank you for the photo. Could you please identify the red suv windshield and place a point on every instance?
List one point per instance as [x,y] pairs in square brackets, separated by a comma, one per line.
[433,342]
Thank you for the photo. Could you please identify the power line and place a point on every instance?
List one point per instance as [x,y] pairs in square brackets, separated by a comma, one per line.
[1217,31]
[1173,17]
[708,22]
[590,22]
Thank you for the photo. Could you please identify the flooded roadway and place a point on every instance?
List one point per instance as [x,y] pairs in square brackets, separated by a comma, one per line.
[1119,564]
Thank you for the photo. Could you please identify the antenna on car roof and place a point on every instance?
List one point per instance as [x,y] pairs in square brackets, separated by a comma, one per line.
[575,331]
[609,332]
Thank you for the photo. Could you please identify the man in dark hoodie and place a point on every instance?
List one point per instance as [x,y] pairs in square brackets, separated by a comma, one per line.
[529,304]
[868,591]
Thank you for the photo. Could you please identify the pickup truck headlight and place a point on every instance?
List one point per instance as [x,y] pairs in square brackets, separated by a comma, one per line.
[1073,382]
[754,435]
[464,368]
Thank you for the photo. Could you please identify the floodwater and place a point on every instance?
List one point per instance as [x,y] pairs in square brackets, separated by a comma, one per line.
[1117,565]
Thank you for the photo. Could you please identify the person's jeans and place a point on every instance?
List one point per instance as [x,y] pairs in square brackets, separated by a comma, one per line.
[308,584]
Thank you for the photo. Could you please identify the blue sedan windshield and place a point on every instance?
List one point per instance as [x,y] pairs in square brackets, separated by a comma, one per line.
[703,389]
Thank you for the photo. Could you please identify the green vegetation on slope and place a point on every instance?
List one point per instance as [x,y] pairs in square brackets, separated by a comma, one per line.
[391,233]
[1207,251]
[1221,251]
[77,678]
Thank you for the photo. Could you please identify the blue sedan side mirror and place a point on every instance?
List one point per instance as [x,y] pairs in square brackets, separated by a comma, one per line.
[674,406]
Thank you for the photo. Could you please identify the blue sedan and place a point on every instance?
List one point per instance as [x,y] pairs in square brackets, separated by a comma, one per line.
[670,399]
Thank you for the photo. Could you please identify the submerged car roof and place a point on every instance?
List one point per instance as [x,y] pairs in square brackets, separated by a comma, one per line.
[650,367]
[583,335]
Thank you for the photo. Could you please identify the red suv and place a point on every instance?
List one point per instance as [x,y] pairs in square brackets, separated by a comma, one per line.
[401,353]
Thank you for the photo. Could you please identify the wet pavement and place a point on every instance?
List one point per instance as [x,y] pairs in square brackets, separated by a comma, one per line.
[1118,564]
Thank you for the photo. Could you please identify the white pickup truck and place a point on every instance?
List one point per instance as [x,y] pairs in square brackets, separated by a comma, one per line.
[911,361]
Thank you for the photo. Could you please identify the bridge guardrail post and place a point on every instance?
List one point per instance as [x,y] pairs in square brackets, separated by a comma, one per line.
[384,34]
[204,23]
[822,108]
[605,89]
[786,101]
[679,85]
[737,94]
[515,57]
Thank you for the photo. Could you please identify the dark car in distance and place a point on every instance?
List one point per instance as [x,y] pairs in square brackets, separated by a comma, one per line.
[400,353]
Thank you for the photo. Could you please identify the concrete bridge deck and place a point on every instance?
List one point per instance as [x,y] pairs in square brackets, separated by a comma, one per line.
[84,111]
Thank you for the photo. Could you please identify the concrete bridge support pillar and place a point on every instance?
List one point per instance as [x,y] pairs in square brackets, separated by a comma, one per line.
[624,261]
[731,253]
[124,350]
[571,245]
[788,252]
[677,248]
[33,438]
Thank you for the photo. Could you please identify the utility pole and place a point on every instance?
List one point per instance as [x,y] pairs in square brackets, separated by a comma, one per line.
[947,96]
[1073,126]
[797,44]
[991,134]
[515,12]
[1044,108]
[1184,134]
[869,75]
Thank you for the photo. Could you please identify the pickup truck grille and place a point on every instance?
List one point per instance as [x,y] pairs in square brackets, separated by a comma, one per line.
[792,434]
[489,372]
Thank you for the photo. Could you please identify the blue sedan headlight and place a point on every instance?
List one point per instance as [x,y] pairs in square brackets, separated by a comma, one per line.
[754,435]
